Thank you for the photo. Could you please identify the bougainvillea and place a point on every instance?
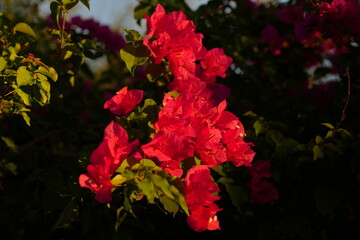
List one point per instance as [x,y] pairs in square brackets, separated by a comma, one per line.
[150,145]
[105,159]
[262,191]
[190,125]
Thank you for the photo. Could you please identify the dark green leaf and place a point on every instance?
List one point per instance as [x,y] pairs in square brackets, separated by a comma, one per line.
[86,3]
[132,35]
[55,13]
[68,215]
[327,198]
[169,205]
[238,196]
[153,71]
[134,56]
[69,4]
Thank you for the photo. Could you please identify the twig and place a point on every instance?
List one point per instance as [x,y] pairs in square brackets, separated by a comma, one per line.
[62,30]
[36,140]
[343,114]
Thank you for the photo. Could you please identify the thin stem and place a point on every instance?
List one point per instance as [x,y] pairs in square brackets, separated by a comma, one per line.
[343,114]
[8,93]
[62,30]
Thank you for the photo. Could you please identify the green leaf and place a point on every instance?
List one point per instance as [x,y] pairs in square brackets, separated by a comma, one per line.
[10,144]
[69,4]
[318,153]
[140,12]
[329,134]
[126,164]
[3,63]
[55,33]
[163,184]
[329,125]
[86,3]
[318,139]
[137,116]
[259,127]
[132,35]
[11,167]
[24,28]
[118,180]
[237,195]
[169,205]
[55,13]
[153,71]
[174,94]
[219,170]
[332,147]
[44,89]
[147,187]
[134,56]
[25,97]
[24,77]
[251,114]
[327,198]
[67,55]
[25,117]
[183,205]
[148,163]
[48,71]
[344,132]
[68,215]
[121,214]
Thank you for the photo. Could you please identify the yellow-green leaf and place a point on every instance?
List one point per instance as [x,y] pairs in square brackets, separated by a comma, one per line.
[48,71]
[10,144]
[24,77]
[24,28]
[11,167]
[134,56]
[329,125]
[2,63]
[147,187]
[26,117]
[25,97]
[318,139]
[118,180]
[318,153]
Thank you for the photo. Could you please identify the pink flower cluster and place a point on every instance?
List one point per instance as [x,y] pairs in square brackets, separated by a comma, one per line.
[112,40]
[335,20]
[262,191]
[105,160]
[173,37]
[193,122]
[341,17]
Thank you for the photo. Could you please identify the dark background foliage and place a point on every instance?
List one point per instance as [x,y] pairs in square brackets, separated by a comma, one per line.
[279,103]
